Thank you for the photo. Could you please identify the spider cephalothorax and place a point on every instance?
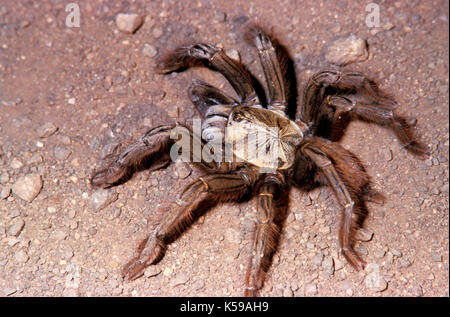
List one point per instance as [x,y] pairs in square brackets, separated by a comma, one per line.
[297,153]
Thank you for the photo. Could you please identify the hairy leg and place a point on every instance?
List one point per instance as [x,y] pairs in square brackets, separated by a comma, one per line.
[216,59]
[266,234]
[152,147]
[351,185]
[332,98]
[204,96]
[273,70]
[193,201]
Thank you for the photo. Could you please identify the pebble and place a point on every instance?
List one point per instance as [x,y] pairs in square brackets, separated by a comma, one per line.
[157,32]
[317,259]
[314,194]
[128,22]
[348,50]
[404,262]
[328,265]
[220,16]
[180,279]
[16,227]
[36,158]
[376,282]
[60,235]
[67,253]
[379,253]
[388,155]
[102,198]
[8,103]
[64,139]
[21,256]
[51,209]
[61,153]
[338,264]
[46,130]
[417,291]
[4,192]
[15,163]
[149,50]
[28,187]
[395,252]
[233,54]
[4,178]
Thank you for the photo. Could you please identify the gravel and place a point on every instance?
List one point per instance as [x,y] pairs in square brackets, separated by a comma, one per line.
[46,130]
[28,187]
[102,198]
[16,227]
[5,191]
[128,22]
[21,256]
[149,50]
[376,282]
[344,51]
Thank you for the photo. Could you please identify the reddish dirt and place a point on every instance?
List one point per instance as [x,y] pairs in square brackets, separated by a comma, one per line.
[99,88]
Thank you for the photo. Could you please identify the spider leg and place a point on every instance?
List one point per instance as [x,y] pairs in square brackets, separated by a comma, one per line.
[193,201]
[216,59]
[266,235]
[204,96]
[273,71]
[332,98]
[331,82]
[151,147]
[402,129]
[351,186]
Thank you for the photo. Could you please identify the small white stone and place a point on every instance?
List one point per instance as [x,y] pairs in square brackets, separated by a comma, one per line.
[28,187]
[128,22]
[348,50]
[15,163]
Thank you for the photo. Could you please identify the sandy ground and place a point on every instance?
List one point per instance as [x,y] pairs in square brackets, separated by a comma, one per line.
[98,87]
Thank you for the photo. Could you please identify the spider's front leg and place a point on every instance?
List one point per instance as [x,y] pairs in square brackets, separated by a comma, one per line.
[152,147]
[196,198]
[274,70]
[266,234]
[151,150]
[216,59]
[351,185]
[332,97]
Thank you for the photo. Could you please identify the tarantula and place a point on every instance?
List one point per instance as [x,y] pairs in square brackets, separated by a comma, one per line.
[303,150]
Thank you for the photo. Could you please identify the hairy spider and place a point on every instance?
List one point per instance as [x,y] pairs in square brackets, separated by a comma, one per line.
[306,154]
